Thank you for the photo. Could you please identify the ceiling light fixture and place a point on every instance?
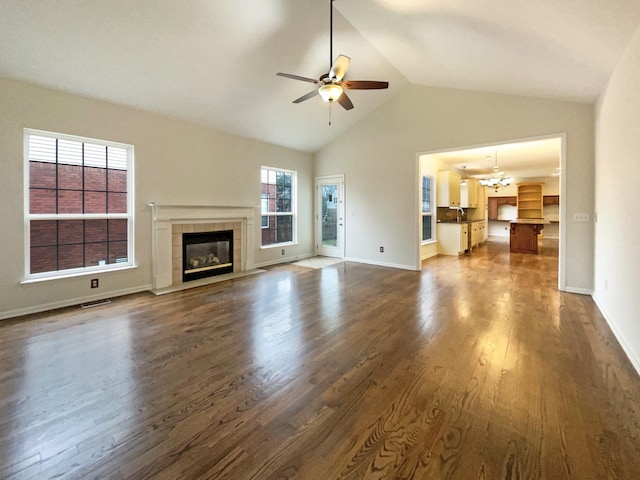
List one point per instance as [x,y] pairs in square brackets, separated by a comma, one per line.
[464,177]
[330,92]
[497,180]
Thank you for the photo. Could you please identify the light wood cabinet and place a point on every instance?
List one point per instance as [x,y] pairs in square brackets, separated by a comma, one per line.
[529,200]
[478,232]
[448,189]
[453,238]
[470,194]
[481,195]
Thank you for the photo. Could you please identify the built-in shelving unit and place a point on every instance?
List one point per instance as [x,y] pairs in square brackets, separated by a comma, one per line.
[530,200]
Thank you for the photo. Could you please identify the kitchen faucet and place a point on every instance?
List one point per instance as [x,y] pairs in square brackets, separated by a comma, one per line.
[459,214]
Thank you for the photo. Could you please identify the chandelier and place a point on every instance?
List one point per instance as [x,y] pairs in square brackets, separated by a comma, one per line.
[498,179]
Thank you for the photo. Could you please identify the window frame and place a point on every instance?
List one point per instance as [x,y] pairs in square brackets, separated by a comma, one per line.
[264,219]
[28,216]
[292,213]
[430,212]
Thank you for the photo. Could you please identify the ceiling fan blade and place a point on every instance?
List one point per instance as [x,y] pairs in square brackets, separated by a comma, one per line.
[345,101]
[297,77]
[339,67]
[309,95]
[364,85]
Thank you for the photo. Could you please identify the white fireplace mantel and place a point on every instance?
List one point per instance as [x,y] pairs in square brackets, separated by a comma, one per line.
[164,216]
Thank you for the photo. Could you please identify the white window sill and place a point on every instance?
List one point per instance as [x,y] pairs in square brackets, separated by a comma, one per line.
[278,245]
[63,276]
[429,242]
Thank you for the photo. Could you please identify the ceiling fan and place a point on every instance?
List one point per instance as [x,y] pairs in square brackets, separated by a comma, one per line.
[331,86]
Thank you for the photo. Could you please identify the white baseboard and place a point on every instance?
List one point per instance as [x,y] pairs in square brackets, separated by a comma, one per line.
[422,259]
[631,354]
[579,290]
[71,302]
[382,264]
[283,260]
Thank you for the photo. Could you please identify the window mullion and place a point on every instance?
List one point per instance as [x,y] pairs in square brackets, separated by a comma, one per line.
[57,184]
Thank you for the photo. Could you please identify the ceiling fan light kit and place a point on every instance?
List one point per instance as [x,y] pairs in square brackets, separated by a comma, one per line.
[330,86]
[330,92]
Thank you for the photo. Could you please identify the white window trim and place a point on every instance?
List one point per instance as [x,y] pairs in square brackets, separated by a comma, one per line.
[294,208]
[27,216]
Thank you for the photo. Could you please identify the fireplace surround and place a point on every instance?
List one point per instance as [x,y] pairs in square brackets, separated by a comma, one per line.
[169,222]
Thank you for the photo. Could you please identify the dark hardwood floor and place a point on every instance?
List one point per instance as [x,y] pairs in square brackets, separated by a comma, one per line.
[475,368]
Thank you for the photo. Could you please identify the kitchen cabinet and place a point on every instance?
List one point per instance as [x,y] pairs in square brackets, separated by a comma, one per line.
[453,238]
[496,202]
[481,195]
[524,235]
[470,194]
[448,189]
[529,200]
[478,233]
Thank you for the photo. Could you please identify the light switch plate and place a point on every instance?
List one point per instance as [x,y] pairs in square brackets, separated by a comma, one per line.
[580,217]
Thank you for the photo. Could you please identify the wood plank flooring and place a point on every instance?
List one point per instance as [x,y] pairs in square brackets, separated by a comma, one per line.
[475,368]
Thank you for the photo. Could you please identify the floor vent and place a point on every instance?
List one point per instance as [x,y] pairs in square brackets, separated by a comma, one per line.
[96,303]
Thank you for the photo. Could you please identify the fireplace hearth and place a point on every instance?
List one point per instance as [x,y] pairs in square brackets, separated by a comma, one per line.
[206,254]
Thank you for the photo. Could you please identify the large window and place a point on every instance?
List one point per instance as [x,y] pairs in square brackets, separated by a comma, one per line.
[427,209]
[278,200]
[77,206]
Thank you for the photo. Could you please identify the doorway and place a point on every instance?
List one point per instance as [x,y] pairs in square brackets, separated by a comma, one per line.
[330,216]
[537,159]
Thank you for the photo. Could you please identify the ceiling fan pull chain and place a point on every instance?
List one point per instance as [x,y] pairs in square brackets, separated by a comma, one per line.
[330,107]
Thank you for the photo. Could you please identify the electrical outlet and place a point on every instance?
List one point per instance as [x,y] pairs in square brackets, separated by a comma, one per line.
[94,283]
[381,249]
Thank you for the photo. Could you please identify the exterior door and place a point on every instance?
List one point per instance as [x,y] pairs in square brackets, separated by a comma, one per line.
[330,216]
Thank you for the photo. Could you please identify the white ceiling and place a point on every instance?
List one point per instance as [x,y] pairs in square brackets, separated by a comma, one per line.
[534,158]
[213,62]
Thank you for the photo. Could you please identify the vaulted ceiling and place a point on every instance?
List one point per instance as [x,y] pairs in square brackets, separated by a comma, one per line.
[213,62]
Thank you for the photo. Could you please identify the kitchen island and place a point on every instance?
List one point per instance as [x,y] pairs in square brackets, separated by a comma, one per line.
[524,235]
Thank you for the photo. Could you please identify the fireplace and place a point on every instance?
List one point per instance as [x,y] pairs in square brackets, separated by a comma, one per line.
[171,221]
[205,254]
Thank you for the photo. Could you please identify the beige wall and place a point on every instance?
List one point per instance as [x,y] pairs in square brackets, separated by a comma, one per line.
[378,156]
[617,263]
[175,163]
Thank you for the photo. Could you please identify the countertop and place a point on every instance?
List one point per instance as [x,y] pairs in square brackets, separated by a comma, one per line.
[460,222]
[530,221]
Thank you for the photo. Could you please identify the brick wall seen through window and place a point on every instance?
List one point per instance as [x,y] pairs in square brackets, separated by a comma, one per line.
[78,196]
